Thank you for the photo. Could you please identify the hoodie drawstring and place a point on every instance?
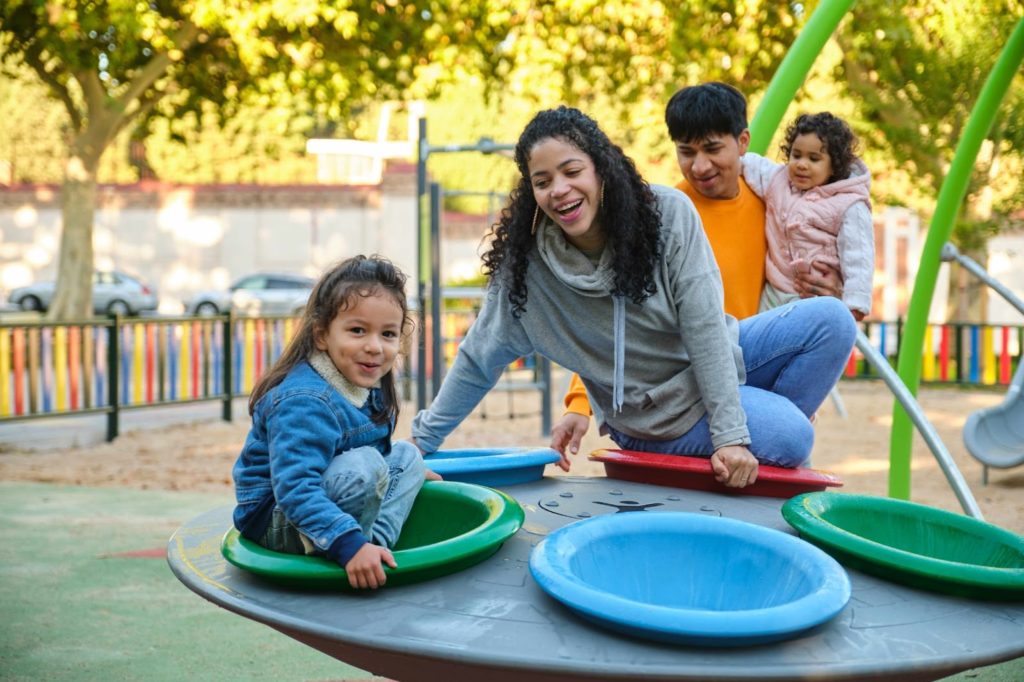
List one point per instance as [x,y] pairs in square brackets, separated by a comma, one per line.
[619,330]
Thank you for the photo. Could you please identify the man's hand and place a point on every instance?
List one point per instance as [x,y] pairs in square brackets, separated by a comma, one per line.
[568,432]
[364,568]
[817,279]
[734,466]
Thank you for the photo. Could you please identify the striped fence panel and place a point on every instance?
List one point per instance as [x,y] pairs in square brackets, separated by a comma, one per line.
[971,354]
[50,369]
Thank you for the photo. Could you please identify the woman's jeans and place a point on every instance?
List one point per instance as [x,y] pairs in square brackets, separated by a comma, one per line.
[377,490]
[793,355]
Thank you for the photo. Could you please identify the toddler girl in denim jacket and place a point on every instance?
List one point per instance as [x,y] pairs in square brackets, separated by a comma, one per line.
[318,473]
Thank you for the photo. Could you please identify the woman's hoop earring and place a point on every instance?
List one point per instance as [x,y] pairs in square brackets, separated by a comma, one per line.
[602,193]
[536,214]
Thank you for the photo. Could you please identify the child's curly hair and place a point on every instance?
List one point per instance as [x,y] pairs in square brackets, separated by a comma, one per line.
[840,142]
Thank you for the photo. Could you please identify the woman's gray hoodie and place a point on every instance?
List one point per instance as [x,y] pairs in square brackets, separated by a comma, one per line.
[680,353]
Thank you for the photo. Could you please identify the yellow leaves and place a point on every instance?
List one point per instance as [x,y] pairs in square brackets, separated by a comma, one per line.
[346,24]
[299,54]
[53,13]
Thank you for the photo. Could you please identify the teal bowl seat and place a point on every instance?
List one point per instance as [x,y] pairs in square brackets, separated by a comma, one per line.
[913,544]
[493,467]
[686,578]
[452,526]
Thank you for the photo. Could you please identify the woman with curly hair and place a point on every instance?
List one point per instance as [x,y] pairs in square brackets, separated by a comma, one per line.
[614,279]
[818,211]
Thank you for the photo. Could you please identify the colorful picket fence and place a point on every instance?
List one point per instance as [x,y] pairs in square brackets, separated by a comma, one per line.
[106,365]
[955,353]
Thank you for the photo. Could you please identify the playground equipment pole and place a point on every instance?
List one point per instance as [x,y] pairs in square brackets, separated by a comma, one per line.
[954,187]
[793,70]
[920,419]
[428,252]
[951,253]
[422,261]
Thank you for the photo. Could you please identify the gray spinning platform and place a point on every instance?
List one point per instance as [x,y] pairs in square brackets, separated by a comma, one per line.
[492,622]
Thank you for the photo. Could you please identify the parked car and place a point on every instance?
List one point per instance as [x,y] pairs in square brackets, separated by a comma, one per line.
[112,293]
[265,293]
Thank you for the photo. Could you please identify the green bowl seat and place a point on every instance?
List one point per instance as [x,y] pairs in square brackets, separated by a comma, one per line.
[913,544]
[452,526]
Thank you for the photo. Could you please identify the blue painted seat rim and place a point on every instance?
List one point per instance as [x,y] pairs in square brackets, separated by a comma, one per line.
[550,567]
[476,460]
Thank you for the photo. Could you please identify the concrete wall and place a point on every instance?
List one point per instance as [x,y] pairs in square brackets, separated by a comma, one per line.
[185,239]
[1006,264]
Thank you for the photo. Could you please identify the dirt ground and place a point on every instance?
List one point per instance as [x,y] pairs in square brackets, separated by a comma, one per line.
[198,456]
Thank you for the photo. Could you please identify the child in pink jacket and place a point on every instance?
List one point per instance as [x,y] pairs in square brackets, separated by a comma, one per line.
[818,211]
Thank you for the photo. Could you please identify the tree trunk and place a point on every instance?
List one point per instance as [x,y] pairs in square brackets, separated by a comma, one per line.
[73,297]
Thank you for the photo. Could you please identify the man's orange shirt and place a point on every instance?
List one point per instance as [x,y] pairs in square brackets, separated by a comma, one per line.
[735,229]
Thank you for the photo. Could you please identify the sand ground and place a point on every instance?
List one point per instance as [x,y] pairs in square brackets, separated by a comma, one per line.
[198,456]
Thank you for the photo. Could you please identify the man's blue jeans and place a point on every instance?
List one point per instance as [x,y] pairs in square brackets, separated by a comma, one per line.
[793,355]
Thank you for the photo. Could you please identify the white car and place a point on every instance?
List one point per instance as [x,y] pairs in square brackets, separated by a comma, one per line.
[112,293]
[259,294]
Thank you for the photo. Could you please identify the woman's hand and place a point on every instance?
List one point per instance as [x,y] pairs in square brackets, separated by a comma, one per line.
[429,474]
[568,431]
[364,568]
[734,466]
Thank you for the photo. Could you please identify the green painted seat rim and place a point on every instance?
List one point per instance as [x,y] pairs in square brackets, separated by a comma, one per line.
[804,513]
[504,518]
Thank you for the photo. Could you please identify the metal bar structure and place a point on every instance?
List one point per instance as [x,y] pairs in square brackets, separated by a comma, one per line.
[426,265]
[113,378]
[950,253]
[429,210]
[924,426]
[437,348]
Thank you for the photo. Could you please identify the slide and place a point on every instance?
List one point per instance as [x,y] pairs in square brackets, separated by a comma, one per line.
[995,435]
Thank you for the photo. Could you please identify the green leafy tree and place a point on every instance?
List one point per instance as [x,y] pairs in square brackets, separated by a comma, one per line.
[916,69]
[123,69]
[121,63]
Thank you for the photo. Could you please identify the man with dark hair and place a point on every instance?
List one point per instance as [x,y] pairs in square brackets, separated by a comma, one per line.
[708,126]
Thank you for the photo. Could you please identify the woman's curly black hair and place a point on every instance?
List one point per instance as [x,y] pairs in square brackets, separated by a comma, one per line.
[628,212]
[840,142]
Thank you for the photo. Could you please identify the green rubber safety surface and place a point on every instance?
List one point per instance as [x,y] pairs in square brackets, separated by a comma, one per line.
[913,544]
[452,526]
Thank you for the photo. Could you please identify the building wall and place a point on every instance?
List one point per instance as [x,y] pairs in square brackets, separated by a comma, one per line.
[1006,264]
[184,239]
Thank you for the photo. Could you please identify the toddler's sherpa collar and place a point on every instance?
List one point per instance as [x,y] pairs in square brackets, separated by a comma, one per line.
[324,366]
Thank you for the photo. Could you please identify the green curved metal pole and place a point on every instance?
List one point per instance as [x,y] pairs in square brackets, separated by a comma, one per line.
[793,70]
[951,195]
